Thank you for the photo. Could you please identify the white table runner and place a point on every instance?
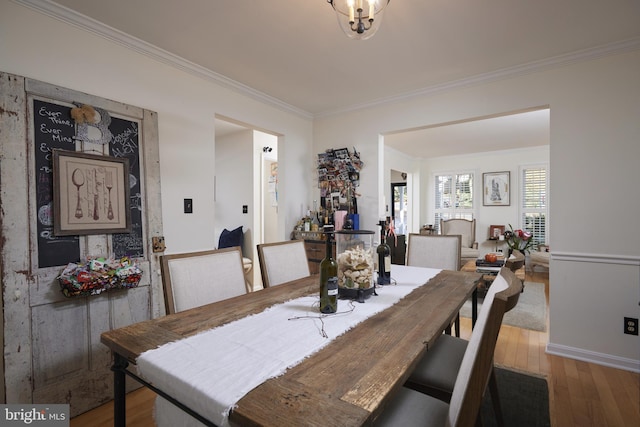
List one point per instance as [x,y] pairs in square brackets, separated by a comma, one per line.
[211,371]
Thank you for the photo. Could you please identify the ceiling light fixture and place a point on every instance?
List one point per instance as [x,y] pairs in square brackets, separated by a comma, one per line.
[359,22]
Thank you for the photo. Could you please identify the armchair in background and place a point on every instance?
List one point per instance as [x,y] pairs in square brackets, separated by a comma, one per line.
[540,257]
[467,229]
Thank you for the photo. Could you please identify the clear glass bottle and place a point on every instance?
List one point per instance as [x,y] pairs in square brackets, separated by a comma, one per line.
[328,277]
[384,257]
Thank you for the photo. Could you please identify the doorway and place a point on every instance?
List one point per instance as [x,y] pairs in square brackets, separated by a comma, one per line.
[400,201]
[246,191]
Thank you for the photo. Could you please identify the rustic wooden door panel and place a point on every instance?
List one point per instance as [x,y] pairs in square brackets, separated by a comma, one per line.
[52,349]
[131,307]
[59,341]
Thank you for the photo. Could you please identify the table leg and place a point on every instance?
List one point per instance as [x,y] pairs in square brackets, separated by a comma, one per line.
[474,307]
[119,390]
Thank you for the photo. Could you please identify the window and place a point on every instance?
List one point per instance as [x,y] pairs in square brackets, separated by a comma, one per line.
[454,197]
[535,207]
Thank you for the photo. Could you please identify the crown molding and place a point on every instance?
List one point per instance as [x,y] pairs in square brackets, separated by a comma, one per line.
[86,23]
[628,45]
[78,20]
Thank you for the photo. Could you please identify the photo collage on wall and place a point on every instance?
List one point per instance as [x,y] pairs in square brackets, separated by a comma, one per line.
[338,176]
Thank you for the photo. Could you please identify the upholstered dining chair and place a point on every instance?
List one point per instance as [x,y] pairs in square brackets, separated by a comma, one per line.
[411,407]
[435,251]
[282,262]
[198,278]
[466,228]
[437,371]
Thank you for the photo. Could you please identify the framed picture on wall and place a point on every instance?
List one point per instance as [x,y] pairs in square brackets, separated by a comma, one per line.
[495,231]
[90,194]
[496,188]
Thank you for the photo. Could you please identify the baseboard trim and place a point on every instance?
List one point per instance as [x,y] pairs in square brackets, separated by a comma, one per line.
[594,357]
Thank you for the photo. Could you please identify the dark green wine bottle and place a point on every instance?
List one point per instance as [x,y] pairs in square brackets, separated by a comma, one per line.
[384,258]
[328,277]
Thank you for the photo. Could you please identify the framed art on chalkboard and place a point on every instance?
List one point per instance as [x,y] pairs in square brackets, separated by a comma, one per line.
[90,194]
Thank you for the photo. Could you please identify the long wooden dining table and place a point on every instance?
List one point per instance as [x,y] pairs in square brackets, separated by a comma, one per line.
[345,383]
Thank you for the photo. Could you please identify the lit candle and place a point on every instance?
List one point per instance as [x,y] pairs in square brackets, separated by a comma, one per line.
[372,7]
[351,19]
[359,5]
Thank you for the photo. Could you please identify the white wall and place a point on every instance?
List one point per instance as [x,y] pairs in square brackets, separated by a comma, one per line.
[43,48]
[594,150]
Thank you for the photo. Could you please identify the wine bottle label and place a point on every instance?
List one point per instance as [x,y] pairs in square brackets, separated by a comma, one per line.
[387,263]
[332,285]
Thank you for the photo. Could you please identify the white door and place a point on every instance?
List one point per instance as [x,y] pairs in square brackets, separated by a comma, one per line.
[52,349]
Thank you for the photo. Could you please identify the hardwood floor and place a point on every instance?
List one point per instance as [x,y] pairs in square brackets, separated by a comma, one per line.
[580,393]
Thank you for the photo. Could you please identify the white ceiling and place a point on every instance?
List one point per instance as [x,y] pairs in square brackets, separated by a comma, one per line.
[292,52]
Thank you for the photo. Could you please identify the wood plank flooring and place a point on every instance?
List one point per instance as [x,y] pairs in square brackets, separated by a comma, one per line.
[580,393]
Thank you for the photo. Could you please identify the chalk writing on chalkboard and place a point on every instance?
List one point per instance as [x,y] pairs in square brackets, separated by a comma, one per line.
[52,128]
[125,143]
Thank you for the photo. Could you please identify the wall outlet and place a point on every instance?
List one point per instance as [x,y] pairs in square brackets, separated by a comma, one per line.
[630,326]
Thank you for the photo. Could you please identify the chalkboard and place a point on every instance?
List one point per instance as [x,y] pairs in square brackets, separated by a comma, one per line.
[125,143]
[53,128]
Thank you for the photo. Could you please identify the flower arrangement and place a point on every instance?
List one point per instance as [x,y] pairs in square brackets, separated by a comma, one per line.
[519,240]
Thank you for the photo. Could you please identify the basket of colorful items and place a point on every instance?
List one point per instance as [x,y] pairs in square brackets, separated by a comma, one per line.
[98,275]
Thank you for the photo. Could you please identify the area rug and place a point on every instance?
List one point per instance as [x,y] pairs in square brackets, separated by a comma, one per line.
[524,400]
[529,313]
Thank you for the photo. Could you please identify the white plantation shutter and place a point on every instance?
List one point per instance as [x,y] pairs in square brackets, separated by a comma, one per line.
[454,197]
[535,206]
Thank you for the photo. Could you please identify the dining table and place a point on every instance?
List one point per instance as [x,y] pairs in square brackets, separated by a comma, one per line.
[345,380]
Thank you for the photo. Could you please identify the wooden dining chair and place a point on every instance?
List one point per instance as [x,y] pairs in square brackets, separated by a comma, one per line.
[411,407]
[282,262]
[436,251]
[437,371]
[198,278]
[515,261]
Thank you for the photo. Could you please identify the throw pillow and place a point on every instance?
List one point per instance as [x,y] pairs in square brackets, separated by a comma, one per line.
[229,239]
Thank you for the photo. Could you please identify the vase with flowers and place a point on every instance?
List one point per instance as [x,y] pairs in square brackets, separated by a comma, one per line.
[519,240]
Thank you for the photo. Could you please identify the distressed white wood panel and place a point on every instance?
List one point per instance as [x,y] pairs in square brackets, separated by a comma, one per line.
[14,243]
[52,349]
[133,307]
[59,341]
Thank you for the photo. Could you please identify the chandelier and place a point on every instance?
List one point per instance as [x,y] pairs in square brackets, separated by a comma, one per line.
[359,19]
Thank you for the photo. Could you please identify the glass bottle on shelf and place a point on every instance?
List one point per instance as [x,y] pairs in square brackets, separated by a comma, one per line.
[384,258]
[315,223]
[328,277]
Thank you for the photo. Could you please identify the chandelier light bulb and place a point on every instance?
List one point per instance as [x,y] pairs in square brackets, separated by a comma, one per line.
[356,20]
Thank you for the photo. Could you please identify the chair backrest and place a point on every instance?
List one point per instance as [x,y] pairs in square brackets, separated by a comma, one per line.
[515,261]
[198,278]
[434,251]
[282,262]
[464,227]
[477,362]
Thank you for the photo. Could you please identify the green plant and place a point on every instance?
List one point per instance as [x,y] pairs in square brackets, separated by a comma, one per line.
[520,240]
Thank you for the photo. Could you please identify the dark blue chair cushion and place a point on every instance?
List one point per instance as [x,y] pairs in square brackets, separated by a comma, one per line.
[229,239]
